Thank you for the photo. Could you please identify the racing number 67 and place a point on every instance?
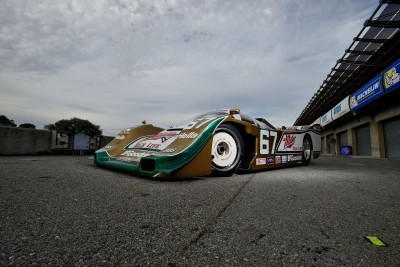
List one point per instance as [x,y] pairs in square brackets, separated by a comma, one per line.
[265,137]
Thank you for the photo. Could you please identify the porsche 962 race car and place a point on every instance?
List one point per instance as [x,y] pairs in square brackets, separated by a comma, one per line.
[217,143]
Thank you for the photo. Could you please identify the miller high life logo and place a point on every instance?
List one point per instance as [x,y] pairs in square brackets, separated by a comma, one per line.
[289,141]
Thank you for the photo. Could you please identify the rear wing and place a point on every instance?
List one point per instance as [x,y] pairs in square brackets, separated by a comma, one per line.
[314,127]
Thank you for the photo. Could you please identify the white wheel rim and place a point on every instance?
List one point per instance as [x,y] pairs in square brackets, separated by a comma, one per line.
[224,149]
[307,149]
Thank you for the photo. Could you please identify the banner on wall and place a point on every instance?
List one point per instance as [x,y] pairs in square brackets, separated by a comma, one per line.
[317,121]
[326,118]
[340,109]
[366,94]
[391,77]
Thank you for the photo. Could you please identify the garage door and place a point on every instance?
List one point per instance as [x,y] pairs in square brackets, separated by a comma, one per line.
[392,138]
[343,138]
[363,141]
[331,145]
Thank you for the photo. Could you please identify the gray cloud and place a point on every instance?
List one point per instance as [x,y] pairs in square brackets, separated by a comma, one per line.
[117,62]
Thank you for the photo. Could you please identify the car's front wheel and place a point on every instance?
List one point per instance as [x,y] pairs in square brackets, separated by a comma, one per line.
[307,150]
[227,150]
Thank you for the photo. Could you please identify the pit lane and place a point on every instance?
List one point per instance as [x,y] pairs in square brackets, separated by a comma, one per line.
[63,210]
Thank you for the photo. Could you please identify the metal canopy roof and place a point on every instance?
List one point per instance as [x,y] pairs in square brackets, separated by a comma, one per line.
[375,47]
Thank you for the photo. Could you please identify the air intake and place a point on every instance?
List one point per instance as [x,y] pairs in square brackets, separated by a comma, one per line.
[147,164]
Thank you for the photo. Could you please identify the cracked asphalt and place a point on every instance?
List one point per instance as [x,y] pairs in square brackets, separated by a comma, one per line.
[65,211]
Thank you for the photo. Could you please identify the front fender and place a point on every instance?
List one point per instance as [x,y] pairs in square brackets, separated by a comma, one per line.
[197,156]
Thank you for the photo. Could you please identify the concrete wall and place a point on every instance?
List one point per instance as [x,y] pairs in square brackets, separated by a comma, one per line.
[21,141]
[375,123]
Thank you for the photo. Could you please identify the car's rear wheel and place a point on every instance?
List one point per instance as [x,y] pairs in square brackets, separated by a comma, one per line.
[307,150]
[227,150]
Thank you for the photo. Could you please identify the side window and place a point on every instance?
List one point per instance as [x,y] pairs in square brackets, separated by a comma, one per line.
[264,124]
[247,118]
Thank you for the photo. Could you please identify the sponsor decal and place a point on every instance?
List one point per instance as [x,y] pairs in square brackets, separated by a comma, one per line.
[159,141]
[289,141]
[392,77]
[278,159]
[289,128]
[270,160]
[163,136]
[146,145]
[125,159]
[261,161]
[294,157]
[169,150]
[127,130]
[337,109]
[341,108]
[190,135]
[120,137]
[284,159]
[353,102]
[366,94]
[136,154]
[368,91]
[326,118]
[297,148]
[107,147]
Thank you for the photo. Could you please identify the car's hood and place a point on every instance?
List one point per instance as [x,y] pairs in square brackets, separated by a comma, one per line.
[168,142]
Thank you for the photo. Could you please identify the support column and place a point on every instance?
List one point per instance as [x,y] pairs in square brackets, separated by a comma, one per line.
[377,139]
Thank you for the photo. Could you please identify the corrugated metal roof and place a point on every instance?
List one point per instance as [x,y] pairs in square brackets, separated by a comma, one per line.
[374,48]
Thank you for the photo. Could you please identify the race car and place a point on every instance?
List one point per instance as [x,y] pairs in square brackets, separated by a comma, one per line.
[218,143]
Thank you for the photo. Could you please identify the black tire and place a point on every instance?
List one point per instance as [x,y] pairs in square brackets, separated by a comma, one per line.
[227,150]
[307,150]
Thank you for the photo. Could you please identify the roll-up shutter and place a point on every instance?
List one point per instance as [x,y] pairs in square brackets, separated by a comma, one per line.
[392,138]
[363,141]
[343,138]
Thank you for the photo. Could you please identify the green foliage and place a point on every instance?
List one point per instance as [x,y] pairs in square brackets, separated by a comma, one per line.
[75,125]
[4,121]
[27,125]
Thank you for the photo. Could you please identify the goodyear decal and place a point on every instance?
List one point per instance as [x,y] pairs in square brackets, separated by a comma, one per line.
[294,157]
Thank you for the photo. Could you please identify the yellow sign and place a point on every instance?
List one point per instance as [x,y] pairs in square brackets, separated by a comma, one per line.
[376,241]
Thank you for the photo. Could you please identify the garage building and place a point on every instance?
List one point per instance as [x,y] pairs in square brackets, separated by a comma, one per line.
[358,104]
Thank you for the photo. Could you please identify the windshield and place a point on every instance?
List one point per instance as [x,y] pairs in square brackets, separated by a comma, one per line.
[211,114]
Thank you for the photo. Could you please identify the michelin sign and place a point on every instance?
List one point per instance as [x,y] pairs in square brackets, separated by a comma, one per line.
[366,94]
[384,83]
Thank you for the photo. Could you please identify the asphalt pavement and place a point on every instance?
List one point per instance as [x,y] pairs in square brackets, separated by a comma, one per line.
[65,211]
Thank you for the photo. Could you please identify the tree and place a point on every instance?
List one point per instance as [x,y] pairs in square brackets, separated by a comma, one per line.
[75,125]
[4,121]
[27,125]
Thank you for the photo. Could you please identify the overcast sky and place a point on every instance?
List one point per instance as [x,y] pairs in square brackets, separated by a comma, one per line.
[118,62]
